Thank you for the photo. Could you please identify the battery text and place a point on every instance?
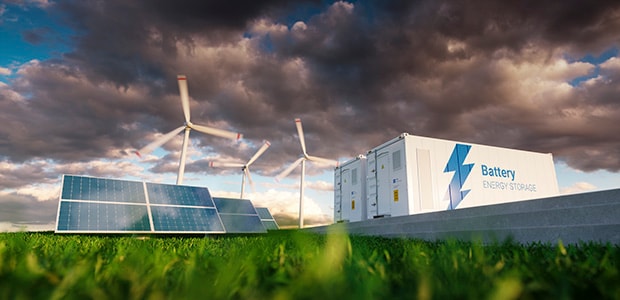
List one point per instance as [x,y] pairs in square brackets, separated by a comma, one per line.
[498,172]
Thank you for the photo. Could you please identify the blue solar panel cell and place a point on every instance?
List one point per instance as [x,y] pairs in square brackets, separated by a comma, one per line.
[186,219]
[234,206]
[179,195]
[242,223]
[102,217]
[264,213]
[99,189]
[270,224]
[268,221]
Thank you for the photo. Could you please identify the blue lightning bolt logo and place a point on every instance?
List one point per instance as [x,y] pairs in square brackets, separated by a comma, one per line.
[456,164]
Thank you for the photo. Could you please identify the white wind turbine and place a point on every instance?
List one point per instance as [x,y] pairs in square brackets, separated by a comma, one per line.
[302,160]
[188,126]
[245,168]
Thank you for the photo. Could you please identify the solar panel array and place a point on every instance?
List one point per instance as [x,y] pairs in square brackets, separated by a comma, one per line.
[99,205]
[267,219]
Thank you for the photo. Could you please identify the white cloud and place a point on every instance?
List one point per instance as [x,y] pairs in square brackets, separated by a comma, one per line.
[341,7]
[41,192]
[5,71]
[101,168]
[540,81]
[578,187]
[264,26]
[611,64]
[299,26]
[39,3]
[7,93]
[18,227]
[320,186]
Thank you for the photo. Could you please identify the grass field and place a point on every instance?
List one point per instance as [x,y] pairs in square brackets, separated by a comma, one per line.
[295,265]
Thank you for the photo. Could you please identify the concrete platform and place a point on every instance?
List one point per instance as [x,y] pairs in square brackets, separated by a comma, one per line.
[586,217]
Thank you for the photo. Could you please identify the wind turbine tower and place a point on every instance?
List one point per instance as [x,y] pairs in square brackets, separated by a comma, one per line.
[302,160]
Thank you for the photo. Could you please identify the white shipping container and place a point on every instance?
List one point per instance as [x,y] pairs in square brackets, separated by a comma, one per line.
[350,190]
[412,174]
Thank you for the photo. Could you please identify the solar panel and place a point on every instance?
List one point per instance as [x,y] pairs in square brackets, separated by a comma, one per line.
[99,205]
[183,219]
[88,217]
[100,189]
[239,216]
[179,195]
[235,206]
[267,219]
[264,213]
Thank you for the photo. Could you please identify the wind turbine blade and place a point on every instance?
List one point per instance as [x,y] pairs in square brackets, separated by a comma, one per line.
[321,160]
[247,173]
[217,132]
[182,79]
[289,169]
[157,143]
[217,164]
[300,132]
[260,151]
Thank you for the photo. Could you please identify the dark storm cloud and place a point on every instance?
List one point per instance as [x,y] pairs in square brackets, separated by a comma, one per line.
[63,116]
[125,42]
[356,73]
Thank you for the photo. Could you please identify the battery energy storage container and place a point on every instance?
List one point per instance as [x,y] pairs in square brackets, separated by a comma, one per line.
[350,187]
[412,174]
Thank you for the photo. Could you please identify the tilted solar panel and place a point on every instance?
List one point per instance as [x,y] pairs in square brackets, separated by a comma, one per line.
[267,219]
[238,215]
[179,195]
[100,189]
[234,206]
[242,223]
[270,224]
[264,213]
[184,219]
[95,217]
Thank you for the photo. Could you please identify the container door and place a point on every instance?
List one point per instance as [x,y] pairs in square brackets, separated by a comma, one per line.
[346,194]
[337,196]
[384,184]
[371,187]
[355,194]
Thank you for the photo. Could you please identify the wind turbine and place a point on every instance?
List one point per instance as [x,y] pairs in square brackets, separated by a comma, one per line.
[245,168]
[188,126]
[302,160]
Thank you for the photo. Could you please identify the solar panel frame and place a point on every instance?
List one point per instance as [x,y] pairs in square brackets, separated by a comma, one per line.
[98,194]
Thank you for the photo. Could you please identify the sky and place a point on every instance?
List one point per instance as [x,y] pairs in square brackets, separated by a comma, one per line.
[83,84]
